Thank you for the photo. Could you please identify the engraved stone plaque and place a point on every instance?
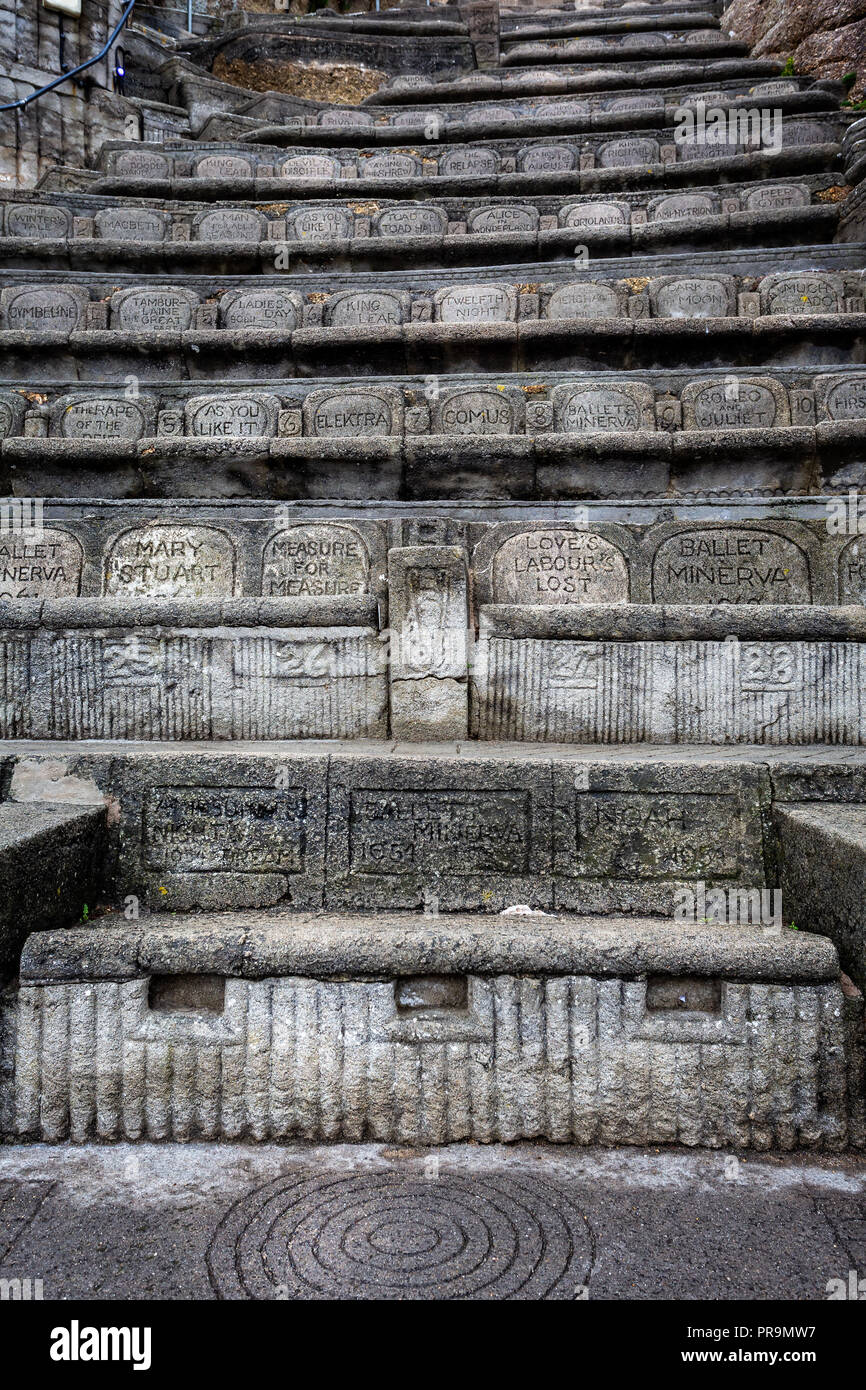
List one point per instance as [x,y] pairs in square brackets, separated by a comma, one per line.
[595,215]
[691,299]
[741,403]
[474,412]
[270,308]
[583,300]
[315,559]
[310,166]
[397,831]
[229,224]
[475,304]
[774,198]
[388,165]
[502,218]
[472,161]
[681,205]
[363,309]
[852,571]
[547,159]
[223,166]
[403,118]
[558,566]
[103,417]
[45,567]
[160,308]
[320,224]
[37,220]
[730,564]
[799,294]
[344,118]
[409,220]
[43,308]
[12,409]
[806,133]
[244,416]
[846,399]
[654,835]
[171,561]
[625,153]
[130,224]
[557,110]
[202,829]
[344,414]
[142,164]
[600,406]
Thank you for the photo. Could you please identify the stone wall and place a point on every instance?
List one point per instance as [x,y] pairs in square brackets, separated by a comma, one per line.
[68,125]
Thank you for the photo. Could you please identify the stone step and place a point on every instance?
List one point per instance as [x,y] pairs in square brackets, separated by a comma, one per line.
[276,119]
[514,29]
[372,826]
[823,875]
[679,674]
[200,669]
[604,162]
[611,435]
[683,43]
[442,321]
[430,1030]
[91,233]
[550,80]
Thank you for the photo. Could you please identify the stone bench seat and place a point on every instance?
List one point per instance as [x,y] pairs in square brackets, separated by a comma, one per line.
[281,114]
[812,555]
[550,79]
[580,344]
[640,47]
[586,163]
[258,945]
[236,1026]
[462,243]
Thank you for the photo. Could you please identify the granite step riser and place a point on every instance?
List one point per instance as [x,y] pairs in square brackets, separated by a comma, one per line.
[456,232]
[825,342]
[550,80]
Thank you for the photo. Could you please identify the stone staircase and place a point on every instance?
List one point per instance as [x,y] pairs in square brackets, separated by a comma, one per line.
[432,604]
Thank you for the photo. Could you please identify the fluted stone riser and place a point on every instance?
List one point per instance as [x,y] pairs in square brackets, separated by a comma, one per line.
[573,1059]
[771,692]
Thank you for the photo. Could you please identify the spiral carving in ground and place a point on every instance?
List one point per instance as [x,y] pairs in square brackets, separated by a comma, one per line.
[384,1235]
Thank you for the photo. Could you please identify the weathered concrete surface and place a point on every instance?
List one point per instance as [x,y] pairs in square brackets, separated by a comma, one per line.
[50,864]
[823,876]
[174,1222]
